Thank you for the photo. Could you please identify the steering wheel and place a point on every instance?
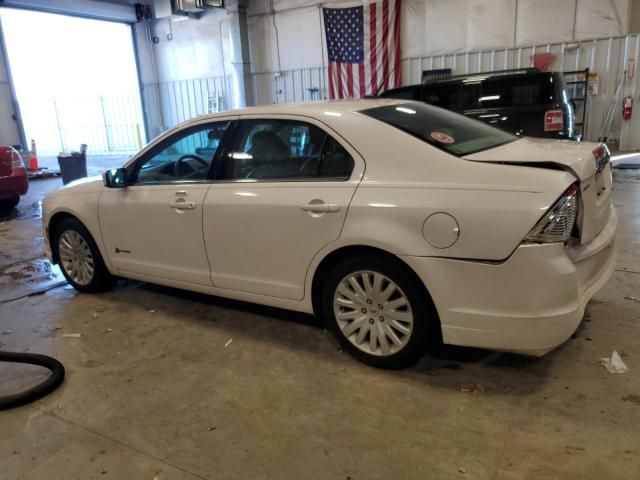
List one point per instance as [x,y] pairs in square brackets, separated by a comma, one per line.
[178,169]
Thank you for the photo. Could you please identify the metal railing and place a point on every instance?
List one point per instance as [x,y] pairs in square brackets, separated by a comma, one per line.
[605,57]
[169,103]
[300,85]
[109,125]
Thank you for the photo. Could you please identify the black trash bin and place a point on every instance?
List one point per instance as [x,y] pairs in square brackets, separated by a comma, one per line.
[72,166]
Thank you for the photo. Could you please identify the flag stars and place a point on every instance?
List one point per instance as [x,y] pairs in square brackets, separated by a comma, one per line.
[345,34]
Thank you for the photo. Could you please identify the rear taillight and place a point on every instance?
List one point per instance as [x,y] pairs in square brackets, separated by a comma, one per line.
[557,224]
[553,120]
[601,155]
[16,160]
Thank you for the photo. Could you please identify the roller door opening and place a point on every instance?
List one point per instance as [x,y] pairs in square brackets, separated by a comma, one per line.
[76,82]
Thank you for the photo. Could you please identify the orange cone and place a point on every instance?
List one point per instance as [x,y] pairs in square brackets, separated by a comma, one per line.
[33,158]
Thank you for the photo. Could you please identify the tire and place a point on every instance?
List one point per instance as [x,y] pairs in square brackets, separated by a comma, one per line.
[74,245]
[7,205]
[409,316]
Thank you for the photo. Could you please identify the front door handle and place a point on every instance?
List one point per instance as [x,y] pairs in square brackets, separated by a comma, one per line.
[320,207]
[183,205]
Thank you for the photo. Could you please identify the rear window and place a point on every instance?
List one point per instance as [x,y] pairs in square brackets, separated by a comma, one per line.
[443,129]
[442,95]
[409,93]
[516,91]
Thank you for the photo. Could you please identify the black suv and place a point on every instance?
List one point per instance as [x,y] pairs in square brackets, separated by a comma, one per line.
[525,102]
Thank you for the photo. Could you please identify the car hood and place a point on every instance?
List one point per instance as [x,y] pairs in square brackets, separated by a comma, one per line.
[83,185]
[578,157]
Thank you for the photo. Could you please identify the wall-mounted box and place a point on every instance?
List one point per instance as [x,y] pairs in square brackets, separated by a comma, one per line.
[161,8]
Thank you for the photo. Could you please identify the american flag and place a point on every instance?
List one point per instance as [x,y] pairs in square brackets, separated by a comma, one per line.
[363,46]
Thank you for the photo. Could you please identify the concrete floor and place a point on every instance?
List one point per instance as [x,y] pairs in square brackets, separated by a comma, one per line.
[154,389]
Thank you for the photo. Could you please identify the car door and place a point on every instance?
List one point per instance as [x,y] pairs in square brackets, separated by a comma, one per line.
[281,194]
[153,227]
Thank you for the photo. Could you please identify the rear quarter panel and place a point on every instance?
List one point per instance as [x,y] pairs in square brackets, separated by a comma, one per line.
[406,180]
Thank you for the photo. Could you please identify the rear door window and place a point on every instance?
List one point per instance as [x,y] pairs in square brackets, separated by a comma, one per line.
[516,92]
[408,93]
[286,150]
[442,95]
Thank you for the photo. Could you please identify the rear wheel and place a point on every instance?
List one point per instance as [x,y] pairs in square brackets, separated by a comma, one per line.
[80,260]
[9,204]
[378,311]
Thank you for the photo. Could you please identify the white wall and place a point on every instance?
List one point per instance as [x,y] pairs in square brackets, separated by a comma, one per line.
[8,130]
[434,27]
[430,27]
[9,134]
[434,30]
[196,50]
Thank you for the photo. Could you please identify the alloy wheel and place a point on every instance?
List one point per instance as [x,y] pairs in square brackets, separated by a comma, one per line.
[373,313]
[76,257]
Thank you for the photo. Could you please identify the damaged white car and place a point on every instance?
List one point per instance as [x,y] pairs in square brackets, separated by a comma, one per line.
[395,221]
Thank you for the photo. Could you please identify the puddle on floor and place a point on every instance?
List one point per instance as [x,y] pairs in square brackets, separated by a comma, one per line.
[30,271]
[23,212]
[28,277]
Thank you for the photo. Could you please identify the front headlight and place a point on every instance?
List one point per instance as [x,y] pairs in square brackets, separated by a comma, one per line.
[557,224]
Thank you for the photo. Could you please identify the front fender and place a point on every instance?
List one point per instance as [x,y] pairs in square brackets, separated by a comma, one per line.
[84,207]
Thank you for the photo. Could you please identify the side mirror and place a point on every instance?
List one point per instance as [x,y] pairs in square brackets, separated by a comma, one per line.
[115,178]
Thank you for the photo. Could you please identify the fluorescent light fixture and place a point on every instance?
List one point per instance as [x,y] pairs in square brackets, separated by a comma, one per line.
[410,111]
[489,97]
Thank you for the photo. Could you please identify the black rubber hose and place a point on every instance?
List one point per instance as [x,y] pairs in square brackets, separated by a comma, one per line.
[34,393]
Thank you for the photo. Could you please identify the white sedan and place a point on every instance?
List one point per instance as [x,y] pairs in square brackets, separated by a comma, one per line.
[395,221]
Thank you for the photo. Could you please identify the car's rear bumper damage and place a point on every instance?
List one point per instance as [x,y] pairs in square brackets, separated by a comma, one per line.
[529,304]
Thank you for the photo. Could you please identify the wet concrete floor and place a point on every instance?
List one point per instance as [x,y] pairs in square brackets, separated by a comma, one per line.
[164,384]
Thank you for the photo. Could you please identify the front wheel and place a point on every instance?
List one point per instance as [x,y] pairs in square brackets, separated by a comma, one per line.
[378,311]
[79,258]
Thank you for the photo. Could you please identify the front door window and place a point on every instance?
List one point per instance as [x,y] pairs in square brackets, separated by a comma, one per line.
[186,156]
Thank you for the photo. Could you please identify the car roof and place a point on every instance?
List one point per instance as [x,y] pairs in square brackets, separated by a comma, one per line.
[480,77]
[308,108]
[506,74]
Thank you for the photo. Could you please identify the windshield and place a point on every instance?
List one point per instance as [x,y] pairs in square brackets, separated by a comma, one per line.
[443,129]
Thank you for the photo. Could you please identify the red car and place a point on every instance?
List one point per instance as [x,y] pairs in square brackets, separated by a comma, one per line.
[13,178]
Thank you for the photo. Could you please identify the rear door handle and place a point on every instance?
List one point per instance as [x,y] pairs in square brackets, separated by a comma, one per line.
[183,205]
[320,207]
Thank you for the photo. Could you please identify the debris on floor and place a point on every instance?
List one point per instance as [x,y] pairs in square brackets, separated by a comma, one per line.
[71,335]
[228,343]
[632,399]
[633,299]
[462,470]
[614,364]
[472,388]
